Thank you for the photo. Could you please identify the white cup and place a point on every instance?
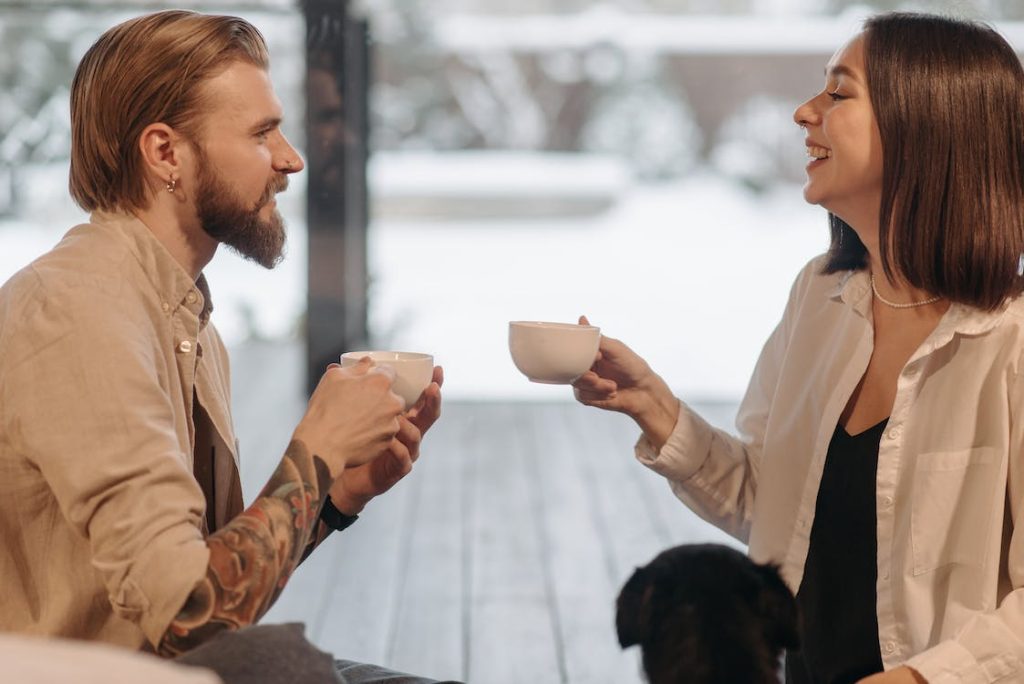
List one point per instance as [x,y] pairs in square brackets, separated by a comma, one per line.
[413,371]
[553,353]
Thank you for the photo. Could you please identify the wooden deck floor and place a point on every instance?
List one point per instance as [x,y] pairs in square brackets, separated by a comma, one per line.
[497,561]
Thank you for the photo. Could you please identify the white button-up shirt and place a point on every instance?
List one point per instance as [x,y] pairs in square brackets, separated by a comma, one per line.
[949,485]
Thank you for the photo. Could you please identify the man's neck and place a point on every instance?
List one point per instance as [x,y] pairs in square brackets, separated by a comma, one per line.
[186,241]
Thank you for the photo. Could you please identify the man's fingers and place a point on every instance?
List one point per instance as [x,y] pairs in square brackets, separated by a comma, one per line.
[408,433]
[383,370]
[401,455]
[361,367]
[428,408]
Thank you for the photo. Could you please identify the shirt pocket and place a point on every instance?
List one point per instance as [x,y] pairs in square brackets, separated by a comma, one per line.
[954,496]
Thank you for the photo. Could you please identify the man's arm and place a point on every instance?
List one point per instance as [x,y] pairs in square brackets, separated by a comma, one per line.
[252,557]
[373,479]
[357,486]
[351,419]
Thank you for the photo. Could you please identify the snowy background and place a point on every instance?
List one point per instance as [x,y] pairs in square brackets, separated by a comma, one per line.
[537,166]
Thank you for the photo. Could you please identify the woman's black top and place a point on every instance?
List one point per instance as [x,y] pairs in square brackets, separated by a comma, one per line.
[839,629]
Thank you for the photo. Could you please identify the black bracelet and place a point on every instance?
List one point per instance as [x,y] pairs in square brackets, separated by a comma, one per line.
[334,518]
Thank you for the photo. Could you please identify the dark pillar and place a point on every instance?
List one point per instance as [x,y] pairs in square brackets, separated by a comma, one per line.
[337,85]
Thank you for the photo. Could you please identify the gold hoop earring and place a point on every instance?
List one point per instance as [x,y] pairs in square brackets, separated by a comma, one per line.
[172,184]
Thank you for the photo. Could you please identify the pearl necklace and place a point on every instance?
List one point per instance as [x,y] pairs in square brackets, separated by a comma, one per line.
[895,305]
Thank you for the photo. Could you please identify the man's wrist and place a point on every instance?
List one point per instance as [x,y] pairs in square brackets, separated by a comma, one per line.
[333,517]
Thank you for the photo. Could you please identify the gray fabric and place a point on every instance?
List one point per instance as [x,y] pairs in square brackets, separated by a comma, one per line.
[281,654]
[264,654]
[362,673]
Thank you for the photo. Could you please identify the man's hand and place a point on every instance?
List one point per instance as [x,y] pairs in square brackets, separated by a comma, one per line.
[899,675]
[352,417]
[356,486]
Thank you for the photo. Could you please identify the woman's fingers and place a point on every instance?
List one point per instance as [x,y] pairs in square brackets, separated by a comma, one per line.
[592,382]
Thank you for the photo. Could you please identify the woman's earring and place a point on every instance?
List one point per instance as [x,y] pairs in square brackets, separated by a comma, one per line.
[172,184]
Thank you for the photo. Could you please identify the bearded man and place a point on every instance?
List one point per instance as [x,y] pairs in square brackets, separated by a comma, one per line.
[120,505]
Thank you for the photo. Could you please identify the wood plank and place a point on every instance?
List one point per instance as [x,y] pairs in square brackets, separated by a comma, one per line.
[267,405]
[499,558]
[676,524]
[353,611]
[686,526]
[510,626]
[428,637]
[574,553]
[634,531]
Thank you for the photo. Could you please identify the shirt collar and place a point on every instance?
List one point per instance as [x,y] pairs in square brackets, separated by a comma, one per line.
[167,276]
[853,288]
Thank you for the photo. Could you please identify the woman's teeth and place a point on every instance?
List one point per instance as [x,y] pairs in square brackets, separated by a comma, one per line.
[818,152]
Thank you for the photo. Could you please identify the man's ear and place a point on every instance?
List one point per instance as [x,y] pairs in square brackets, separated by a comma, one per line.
[161,149]
[633,609]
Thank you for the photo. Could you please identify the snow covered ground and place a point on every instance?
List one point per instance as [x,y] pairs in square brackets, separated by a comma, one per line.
[693,274]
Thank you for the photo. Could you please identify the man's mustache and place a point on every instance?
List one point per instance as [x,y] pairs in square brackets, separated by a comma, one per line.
[278,183]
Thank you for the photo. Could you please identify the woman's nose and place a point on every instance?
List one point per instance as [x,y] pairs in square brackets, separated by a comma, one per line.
[805,115]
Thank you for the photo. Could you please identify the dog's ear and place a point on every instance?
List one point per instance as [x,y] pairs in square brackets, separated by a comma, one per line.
[777,606]
[633,609]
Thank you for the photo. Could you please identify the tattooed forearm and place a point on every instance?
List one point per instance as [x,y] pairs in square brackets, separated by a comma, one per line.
[320,532]
[252,557]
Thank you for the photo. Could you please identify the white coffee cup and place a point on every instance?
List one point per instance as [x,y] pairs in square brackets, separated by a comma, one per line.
[413,371]
[553,353]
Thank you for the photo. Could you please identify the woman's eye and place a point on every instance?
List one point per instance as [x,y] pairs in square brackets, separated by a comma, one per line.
[836,96]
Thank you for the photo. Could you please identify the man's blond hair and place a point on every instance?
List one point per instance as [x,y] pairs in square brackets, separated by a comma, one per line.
[146,70]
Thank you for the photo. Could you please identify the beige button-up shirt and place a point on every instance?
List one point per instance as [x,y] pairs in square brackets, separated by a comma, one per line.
[949,485]
[114,397]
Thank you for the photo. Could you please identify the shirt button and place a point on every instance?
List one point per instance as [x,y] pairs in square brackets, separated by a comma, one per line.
[166,307]
[190,297]
[887,501]
[885,575]
[895,432]
[890,647]
[184,346]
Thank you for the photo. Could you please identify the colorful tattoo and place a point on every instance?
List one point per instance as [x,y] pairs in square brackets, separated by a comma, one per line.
[252,557]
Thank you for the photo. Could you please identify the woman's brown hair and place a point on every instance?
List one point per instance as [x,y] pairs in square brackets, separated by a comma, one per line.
[948,96]
[146,70]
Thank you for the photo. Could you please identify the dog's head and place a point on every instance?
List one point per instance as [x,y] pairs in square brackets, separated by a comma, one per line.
[707,613]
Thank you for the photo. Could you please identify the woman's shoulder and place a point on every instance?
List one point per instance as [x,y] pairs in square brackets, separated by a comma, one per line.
[812,279]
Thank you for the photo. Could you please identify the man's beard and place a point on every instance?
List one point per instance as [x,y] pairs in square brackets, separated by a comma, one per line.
[226,218]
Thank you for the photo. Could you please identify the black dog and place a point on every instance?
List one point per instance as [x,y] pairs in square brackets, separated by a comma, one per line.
[705,613]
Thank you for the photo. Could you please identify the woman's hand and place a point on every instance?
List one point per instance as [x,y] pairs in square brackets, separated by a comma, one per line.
[620,380]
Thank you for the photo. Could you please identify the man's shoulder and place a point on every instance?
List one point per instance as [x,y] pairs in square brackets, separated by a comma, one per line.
[85,276]
[88,256]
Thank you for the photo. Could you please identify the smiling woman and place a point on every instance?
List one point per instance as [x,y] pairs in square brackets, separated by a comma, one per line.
[951,127]
[876,461]
[845,175]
